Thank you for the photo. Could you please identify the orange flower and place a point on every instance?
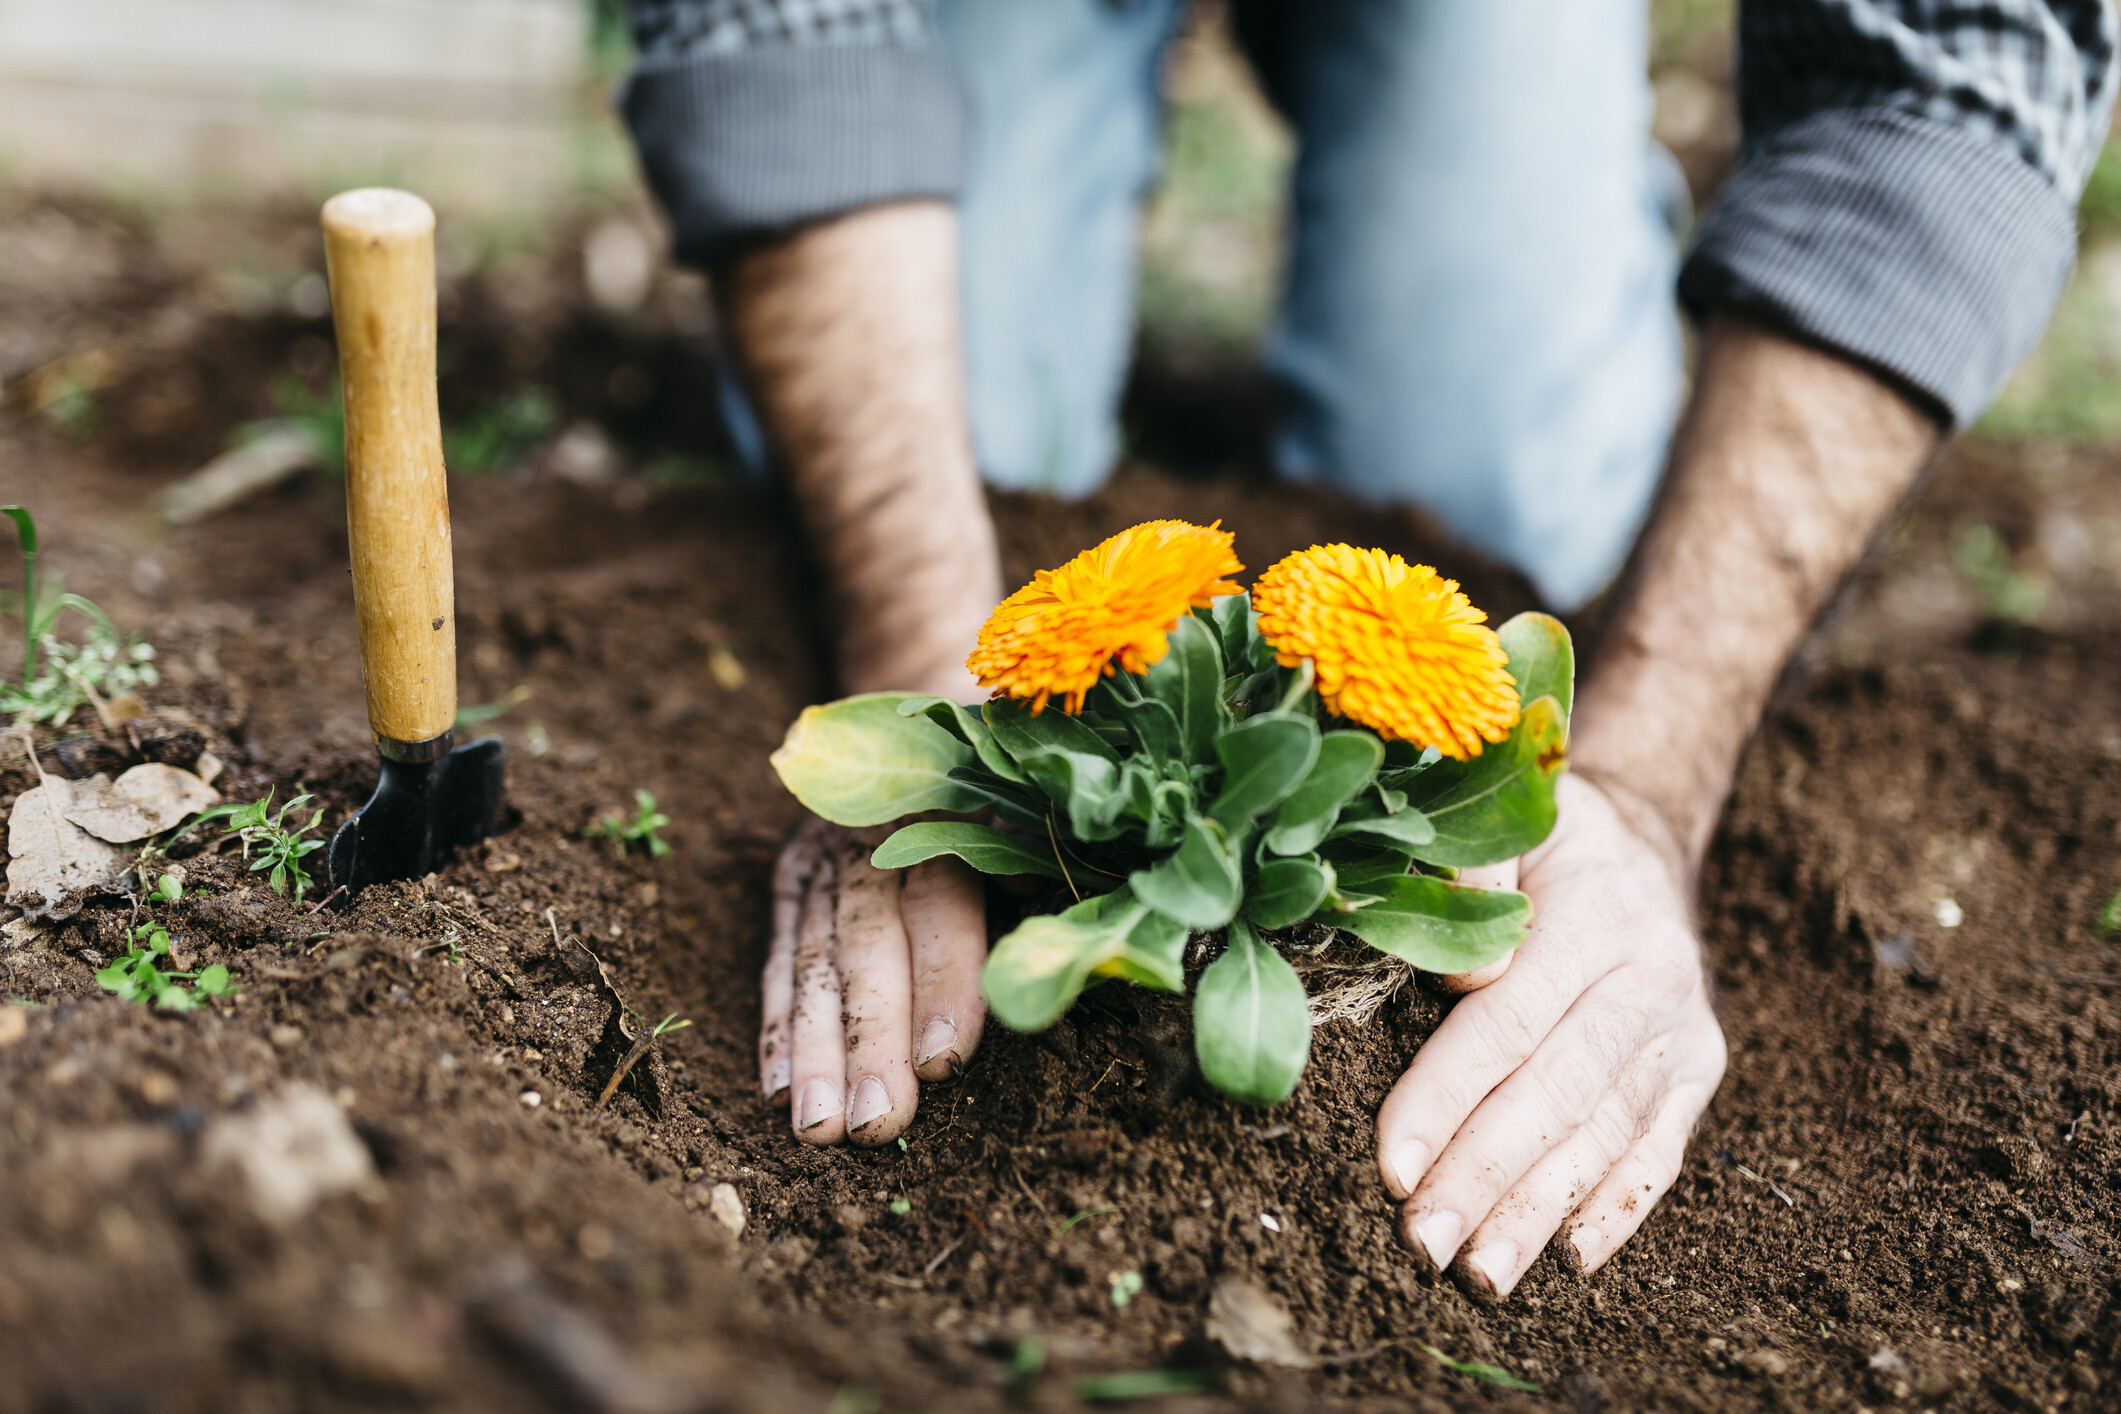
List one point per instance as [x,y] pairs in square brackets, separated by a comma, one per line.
[1059,633]
[1395,646]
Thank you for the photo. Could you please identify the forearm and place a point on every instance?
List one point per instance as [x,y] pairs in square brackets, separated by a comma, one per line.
[848,336]
[1784,466]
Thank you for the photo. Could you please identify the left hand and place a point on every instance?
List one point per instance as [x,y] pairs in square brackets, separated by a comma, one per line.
[1564,1087]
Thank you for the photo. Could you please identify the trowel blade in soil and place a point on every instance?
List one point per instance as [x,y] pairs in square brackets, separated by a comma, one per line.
[419,813]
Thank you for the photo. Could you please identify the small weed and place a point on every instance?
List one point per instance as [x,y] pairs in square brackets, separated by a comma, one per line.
[1126,1286]
[1084,1216]
[901,1206]
[1142,1384]
[138,976]
[668,1024]
[498,434]
[500,707]
[106,663]
[641,829]
[1026,1364]
[2006,593]
[1492,1374]
[2110,916]
[282,846]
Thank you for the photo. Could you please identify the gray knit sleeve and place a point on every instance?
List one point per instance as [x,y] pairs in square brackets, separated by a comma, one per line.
[756,116]
[1907,187]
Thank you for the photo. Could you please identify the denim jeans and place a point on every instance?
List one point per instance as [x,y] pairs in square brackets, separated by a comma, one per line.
[1477,315]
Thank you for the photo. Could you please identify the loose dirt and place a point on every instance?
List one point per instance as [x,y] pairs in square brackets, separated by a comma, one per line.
[1904,1194]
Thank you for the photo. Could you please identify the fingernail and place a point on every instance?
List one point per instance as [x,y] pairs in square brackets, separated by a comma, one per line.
[776,1077]
[940,1036]
[871,1101]
[1405,1163]
[1496,1264]
[821,1101]
[1580,1246]
[1438,1234]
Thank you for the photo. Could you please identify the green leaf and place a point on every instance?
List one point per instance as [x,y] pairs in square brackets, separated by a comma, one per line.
[858,762]
[213,982]
[1189,681]
[1251,1021]
[1149,721]
[1237,623]
[1037,971]
[1024,736]
[1142,1384]
[1198,883]
[1088,787]
[983,847]
[25,530]
[1408,827]
[1493,1374]
[965,724]
[2110,917]
[1441,926]
[1346,763]
[1499,804]
[1265,758]
[1542,659]
[1288,891]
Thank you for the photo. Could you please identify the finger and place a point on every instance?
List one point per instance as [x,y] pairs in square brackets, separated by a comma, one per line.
[876,981]
[1485,876]
[1548,1099]
[791,873]
[818,1051]
[1485,1038]
[945,910]
[1514,1232]
[1618,1205]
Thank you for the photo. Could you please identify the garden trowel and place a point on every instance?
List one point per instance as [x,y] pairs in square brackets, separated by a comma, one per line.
[434,795]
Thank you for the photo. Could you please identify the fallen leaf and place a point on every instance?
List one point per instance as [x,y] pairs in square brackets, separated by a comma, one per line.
[144,801]
[1252,1324]
[53,864]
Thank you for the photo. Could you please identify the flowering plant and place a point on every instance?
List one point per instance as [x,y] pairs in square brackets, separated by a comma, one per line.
[1181,759]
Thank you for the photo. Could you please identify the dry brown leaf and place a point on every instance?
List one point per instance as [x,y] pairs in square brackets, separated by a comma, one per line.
[144,801]
[1252,1324]
[53,864]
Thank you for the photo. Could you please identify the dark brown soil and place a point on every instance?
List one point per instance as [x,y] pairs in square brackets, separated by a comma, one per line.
[1904,1195]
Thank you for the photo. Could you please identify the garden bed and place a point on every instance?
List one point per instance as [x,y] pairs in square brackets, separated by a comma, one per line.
[1905,1192]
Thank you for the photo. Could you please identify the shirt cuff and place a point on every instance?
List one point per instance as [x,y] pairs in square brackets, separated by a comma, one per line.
[1931,254]
[763,140]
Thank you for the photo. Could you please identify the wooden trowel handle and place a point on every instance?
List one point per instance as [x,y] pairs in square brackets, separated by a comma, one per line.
[379,252]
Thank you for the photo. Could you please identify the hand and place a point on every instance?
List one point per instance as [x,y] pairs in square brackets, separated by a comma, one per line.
[1565,1089]
[872,980]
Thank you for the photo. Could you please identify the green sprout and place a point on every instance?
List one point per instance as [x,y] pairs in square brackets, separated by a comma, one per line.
[500,707]
[106,663]
[138,976]
[901,1206]
[1142,1384]
[1492,1374]
[1126,1286]
[2110,916]
[639,830]
[668,1024]
[282,847]
[2006,593]
[498,434]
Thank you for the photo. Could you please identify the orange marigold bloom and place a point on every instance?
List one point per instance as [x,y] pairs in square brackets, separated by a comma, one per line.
[1395,646]
[1058,634]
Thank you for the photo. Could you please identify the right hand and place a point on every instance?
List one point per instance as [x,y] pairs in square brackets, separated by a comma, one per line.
[871,983]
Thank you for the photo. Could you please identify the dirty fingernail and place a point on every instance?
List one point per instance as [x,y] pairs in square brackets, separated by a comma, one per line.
[821,1101]
[776,1077]
[1438,1234]
[1496,1263]
[871,1101]
[1405,1162]
[940,1036]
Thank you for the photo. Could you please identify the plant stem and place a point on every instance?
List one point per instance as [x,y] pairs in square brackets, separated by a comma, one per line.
[1306,674]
